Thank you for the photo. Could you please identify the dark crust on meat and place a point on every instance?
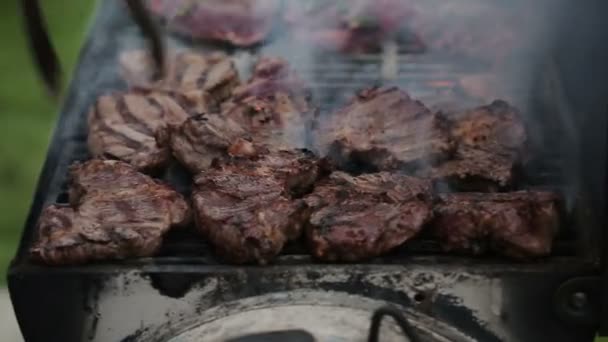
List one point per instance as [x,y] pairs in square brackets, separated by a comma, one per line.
[491,146]
[115,213]
[517,224]
[384,129]
[357,218]
[245,206]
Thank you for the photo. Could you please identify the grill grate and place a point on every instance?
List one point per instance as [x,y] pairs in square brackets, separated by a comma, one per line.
[334,79]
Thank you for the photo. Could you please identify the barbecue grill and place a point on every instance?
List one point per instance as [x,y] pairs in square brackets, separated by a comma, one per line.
[186,294]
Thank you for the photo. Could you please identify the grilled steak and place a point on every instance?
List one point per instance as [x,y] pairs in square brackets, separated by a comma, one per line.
[270,111]
[491,143]
[115,212]
[239,22]
[518,224]
[356,218]
[200,81]
[125,126]
[384,129]
[350,25]
[274,97]
[245,206]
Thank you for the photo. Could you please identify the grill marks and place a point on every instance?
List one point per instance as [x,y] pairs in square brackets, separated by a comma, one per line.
[116,213]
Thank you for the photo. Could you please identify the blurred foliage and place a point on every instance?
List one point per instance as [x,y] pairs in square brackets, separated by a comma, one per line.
[27,116]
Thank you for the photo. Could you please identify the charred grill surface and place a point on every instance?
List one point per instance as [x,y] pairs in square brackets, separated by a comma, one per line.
[246,206]
[115,212]
[357,218]
[517,224]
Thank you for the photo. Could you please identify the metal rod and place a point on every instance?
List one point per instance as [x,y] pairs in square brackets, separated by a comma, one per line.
[41,47]
[151,32]
[379,314]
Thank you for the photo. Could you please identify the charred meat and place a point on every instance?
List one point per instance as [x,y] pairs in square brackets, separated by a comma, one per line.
[201,81]
[245,206]
[518,224]
[357,218]
[491,143]
[114,213]
[126,127]
[354,26]
[384,129]
[238,22]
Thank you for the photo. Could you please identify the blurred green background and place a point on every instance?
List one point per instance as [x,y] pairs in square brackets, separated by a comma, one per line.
[27,116]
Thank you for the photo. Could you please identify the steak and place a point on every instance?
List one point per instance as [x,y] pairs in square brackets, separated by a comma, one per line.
[274,97]
[270,111]
[238,22]
[350,26]
[517,224]
[491,144]
[200,81]
[384,129]
[125,126]
[357,218]
[246,206]
[114,213]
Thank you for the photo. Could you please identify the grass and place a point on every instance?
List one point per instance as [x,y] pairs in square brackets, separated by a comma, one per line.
[27,116]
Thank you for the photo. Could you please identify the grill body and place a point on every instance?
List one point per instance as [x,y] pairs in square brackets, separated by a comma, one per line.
[476,299]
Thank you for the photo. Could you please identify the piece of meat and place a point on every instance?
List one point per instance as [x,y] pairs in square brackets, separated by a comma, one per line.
[274,97]
[245,207]
[517,224]
[126,126]
[384,129]
[353,26]
[491,144]
[268,112]
[206,137]
[238,22]
[114,213]
[203,81]
[357,218]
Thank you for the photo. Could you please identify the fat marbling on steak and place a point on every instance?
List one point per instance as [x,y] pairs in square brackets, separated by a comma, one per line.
[238,22]
[114,213]
[357,218]
[491,144]
[384,129]
[516,224]
[248,208]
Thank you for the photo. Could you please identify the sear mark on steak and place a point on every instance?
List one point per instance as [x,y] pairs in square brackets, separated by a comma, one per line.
[517,224]
[200,81]
[491,144]
[114,213]
[238,22]
[245,206]
[126,126]
[384,129]
[357,218]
